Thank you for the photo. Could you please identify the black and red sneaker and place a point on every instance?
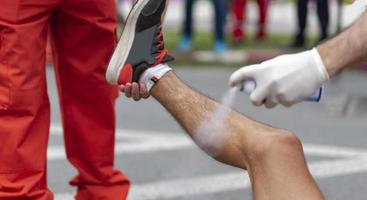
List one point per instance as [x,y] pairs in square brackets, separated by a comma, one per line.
[141,45]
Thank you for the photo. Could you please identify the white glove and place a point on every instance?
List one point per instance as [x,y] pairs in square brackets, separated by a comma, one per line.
[286,79]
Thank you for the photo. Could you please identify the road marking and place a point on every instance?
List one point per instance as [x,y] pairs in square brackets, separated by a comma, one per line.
[345,161]
[190,186]
[233,56]
[333,151]
[232,181]
[228,182]
[134,141]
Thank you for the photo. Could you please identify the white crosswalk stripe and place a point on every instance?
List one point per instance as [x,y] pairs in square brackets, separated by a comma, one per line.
[151,141]
[228,182]
[344,161]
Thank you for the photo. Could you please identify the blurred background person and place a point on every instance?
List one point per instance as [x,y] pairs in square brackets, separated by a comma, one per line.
[323,16]
[238,8]
[220,10]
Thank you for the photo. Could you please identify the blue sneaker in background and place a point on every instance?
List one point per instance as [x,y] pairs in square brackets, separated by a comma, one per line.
[185,45]
[220,47]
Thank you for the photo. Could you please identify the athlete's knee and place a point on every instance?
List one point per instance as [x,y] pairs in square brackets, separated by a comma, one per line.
[286,140]
[277,143]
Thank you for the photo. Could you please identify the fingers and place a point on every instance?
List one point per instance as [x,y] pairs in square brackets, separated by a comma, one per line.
[122,88]
[245,73]
[270,103]
[258,96]
[144,91]
[136,91]
[259,99]
[285,102]
[127,91]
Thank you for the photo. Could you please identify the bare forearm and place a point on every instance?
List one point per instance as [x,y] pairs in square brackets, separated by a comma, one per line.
[347,48]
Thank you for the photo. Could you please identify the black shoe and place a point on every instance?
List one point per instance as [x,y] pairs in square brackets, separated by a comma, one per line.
[298,42]
[141,45]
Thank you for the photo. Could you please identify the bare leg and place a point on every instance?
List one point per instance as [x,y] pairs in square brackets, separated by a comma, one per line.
[274,158]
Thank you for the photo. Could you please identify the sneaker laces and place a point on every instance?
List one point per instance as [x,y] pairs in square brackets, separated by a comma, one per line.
[159,51]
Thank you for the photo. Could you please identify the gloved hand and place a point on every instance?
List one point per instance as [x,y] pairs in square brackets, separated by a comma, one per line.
[286,80]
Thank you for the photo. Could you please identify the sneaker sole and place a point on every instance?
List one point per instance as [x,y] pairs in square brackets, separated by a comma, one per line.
[124,44]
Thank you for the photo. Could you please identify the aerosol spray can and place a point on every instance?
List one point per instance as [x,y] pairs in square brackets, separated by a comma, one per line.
[249,86]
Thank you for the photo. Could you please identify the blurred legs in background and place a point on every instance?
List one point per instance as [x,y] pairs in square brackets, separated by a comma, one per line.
[220,8]
[274,158]
[220,18]
[239,15]
[323,16]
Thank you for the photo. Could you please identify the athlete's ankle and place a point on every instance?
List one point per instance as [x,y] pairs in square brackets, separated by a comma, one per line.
[152,75]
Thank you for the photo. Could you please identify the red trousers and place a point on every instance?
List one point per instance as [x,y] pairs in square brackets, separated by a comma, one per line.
[83,38]
[239,11]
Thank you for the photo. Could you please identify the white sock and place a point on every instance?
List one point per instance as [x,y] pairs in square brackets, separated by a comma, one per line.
[152,75]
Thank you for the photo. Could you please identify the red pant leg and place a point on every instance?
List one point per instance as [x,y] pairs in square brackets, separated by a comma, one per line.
[24,105]
[238,10]
[263,11]
[84,39]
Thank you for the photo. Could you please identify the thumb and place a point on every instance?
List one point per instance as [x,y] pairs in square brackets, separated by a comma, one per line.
[243,74]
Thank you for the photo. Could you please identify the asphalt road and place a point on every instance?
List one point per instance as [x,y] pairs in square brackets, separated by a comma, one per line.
[164,164]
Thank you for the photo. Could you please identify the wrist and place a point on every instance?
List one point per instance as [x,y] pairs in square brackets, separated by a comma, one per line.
[319,64]
[333,59]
